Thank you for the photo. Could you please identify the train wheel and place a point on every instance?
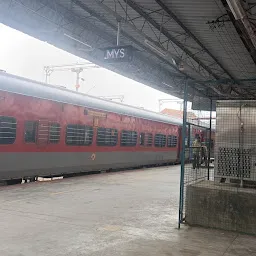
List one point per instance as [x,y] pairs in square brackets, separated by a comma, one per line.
[33,179]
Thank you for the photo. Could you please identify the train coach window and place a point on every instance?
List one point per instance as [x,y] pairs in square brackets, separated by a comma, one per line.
[149,139]
[30,131]
[172,141]
[79,135]
[129,138]
[146,139]
[54,133]
[160,140]
[7,130]
[106,137]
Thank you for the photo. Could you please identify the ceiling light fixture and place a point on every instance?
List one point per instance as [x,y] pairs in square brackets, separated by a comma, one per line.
[174,62]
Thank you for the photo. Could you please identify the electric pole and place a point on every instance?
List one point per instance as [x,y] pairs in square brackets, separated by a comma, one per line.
[76,68]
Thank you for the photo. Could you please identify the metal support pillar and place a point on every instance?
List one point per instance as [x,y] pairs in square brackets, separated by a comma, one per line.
[189,140]
[118,33]
[210,142]
[182,169]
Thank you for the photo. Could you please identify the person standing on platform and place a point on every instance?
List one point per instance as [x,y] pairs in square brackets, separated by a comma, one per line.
[196,151]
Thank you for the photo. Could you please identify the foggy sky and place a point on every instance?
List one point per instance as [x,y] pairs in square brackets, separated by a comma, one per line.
[26,56]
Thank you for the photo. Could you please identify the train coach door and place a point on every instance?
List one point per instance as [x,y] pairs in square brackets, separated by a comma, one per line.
[43,133]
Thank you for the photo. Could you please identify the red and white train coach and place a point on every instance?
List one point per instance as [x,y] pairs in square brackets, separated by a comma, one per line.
[46,130]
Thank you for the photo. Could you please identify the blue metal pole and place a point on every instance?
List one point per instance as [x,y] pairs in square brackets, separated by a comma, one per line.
[182,169]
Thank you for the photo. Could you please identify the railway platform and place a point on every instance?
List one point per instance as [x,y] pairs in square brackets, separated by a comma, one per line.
[123,213]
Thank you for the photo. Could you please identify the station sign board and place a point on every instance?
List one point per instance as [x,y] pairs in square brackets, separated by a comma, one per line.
[95,113]
[118,54]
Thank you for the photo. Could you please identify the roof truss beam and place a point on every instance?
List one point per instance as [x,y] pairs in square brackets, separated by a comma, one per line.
[166,33]
[190,57]
[208,90]
[175,18]
[174,77]
[241,32]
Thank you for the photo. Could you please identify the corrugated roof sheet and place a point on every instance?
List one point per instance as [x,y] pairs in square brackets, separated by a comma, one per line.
[95,21]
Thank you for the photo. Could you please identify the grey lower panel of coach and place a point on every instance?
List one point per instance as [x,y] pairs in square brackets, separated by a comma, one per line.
[18,165]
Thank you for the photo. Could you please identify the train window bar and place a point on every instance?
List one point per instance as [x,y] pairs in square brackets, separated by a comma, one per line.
[79,135]
[160,140]
[129,138]
[149,139]
[107,137]
[54,133]
[7,129]
[172,141]
[146,139]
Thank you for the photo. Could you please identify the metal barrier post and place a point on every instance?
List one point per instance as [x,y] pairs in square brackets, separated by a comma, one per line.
[182,170]
[210,142]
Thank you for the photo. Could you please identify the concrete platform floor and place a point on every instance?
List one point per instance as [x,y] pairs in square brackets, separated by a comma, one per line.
[125,213]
